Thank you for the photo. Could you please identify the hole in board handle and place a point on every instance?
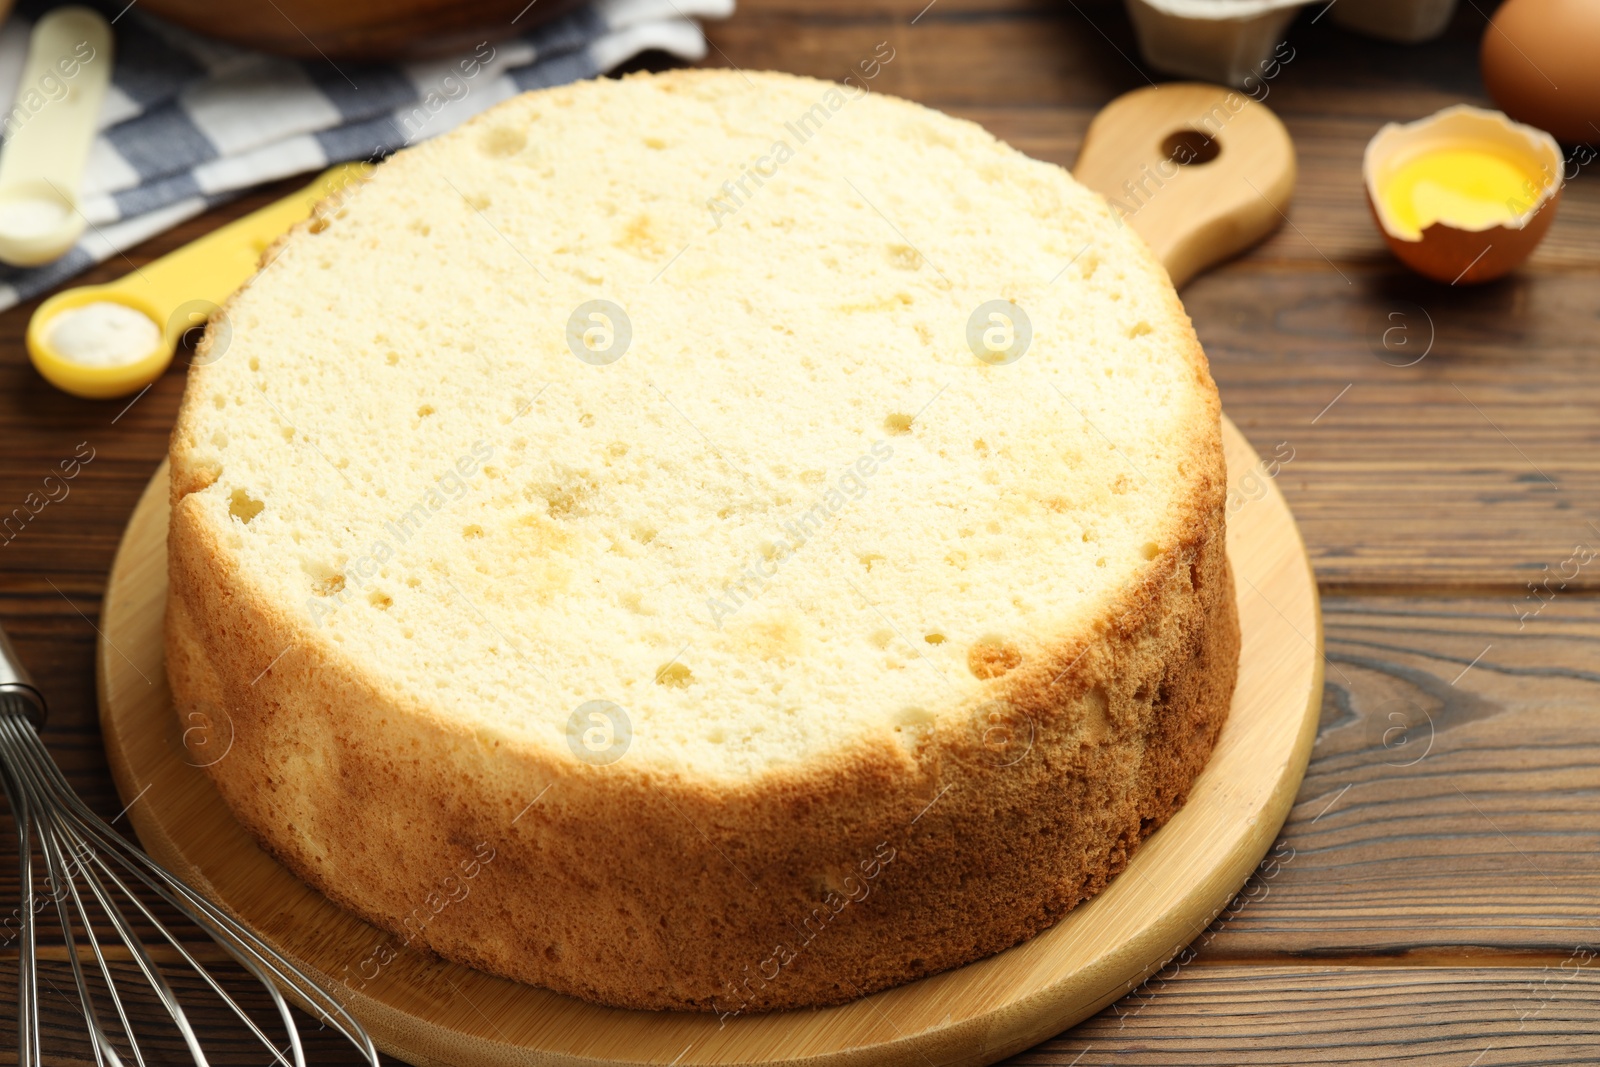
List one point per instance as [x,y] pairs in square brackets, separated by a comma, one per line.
[1190,148]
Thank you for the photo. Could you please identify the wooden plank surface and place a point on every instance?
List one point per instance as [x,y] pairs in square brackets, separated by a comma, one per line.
[1428,907]
[1186,1014]
[1472,1017]
[1451,812]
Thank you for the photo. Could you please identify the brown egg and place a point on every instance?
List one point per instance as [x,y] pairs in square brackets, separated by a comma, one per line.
[1464,195]
[1541,63]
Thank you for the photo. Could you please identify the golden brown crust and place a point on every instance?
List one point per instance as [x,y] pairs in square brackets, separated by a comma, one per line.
[905,855]
[902,861]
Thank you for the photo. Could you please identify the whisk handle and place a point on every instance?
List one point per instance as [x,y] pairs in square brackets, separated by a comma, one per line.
[18,694]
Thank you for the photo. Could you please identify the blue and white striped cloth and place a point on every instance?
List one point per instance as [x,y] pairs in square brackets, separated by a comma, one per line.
[190,122]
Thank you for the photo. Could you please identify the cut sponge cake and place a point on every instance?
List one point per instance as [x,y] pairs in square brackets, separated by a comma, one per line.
[705,541]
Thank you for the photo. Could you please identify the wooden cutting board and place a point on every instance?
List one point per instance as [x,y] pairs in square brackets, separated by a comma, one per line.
[431,1012]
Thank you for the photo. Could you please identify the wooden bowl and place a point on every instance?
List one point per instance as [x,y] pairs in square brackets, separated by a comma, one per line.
[359,29]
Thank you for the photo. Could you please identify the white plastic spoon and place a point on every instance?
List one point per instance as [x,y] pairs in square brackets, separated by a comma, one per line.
[41,168]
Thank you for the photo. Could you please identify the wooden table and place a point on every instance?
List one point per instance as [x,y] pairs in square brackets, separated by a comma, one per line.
[1436,896]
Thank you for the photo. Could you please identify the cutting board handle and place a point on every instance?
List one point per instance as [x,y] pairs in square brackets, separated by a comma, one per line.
[1201,172]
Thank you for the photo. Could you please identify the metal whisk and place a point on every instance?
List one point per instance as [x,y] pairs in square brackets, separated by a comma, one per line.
[86,860]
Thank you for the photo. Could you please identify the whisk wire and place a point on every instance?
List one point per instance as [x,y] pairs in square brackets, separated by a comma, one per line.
[215,986]
[77,843]
[222,927]
[141,958]
[38,772]
[27,960]
[63,871]
[242,951]
[63,888]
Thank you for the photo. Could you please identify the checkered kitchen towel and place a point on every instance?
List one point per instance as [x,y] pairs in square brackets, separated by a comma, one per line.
[190,122]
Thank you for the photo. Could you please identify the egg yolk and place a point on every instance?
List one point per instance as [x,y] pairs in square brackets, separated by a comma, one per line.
[1470,188]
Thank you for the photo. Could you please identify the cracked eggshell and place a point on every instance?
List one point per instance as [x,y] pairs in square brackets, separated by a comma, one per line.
[1458,254]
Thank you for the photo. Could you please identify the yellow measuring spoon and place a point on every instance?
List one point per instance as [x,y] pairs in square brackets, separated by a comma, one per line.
[176,293]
